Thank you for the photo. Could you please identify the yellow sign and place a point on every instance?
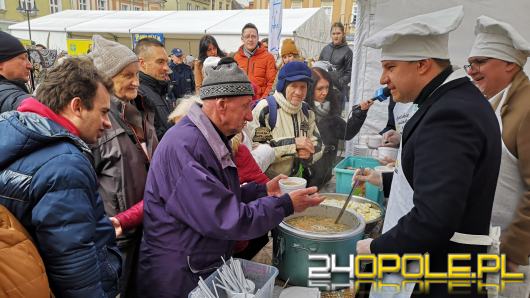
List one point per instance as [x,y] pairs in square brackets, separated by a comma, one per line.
[25,42]
[78,47]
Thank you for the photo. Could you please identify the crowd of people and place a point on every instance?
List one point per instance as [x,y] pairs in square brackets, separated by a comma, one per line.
[132,172]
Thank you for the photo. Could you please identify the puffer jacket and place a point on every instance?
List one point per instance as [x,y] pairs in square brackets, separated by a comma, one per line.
[47,181]
[290,123]
[260,69]
[157,98]
[341,57]
[120,161]
[11,94]
[22,272]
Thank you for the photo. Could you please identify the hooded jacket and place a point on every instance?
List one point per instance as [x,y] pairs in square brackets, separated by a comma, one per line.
[48,182]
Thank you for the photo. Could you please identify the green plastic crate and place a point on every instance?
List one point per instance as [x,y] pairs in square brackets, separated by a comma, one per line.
[343,176]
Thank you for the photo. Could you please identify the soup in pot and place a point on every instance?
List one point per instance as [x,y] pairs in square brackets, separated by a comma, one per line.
[317,224]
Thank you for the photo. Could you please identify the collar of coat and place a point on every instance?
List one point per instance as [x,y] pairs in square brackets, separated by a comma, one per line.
[20,84]
[520,79]
[205,126]
[432,86]
[160,87]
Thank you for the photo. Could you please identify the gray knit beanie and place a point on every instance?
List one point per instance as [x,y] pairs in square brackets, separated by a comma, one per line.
[225,80]
[110,57]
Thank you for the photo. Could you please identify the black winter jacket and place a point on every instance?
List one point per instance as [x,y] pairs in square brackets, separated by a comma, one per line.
[11,94]
[333,128]
[341,57]
[155,94]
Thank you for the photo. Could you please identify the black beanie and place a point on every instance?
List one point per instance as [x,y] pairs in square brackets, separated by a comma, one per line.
[10,46]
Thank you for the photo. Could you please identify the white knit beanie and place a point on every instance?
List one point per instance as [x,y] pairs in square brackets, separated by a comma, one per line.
[110,57]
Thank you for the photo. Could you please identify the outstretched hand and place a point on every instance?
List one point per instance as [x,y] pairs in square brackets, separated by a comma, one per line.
[273,186]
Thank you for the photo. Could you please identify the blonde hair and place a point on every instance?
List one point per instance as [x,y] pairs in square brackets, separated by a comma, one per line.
[183,108]
[235,142]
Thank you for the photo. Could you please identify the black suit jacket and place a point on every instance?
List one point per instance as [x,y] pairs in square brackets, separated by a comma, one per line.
[451,157]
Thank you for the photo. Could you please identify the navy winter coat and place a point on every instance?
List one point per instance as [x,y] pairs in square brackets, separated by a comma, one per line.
[49,184]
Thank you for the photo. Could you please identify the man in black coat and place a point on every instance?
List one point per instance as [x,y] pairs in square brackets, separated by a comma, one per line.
[444,184]
[154,81]
[14,72]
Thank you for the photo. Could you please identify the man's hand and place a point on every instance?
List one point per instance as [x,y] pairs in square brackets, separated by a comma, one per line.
[368,175]
[117,226]
[304,198]
[387,161]
[303,154]
[366,104]
[391,138]
[363,246]
[304,143]
[273,186]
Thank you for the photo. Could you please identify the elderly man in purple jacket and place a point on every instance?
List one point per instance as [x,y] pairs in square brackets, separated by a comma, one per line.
[195,208]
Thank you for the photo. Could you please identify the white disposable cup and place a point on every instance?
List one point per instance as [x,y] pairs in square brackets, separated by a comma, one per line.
[292,183]
[374,141]
[388,152]
[384,169]
[360,150]
[363,139]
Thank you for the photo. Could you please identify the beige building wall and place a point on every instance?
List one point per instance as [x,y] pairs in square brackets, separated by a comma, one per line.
[9,14]
[198,5]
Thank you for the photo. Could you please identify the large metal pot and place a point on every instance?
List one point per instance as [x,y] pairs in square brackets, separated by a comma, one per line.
[374,226]
[292,246]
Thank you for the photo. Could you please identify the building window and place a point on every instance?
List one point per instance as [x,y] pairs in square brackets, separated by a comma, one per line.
[137,8]
[197,7]
[84,4]
[220,5]
[188,6]
[227,6]
[55,6]
[103,4]
[125,6]
[296,4]
[2,4]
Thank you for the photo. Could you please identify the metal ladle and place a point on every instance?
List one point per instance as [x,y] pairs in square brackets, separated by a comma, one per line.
[355,184]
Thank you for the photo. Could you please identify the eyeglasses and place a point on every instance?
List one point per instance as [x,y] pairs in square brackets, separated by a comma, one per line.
[475,65]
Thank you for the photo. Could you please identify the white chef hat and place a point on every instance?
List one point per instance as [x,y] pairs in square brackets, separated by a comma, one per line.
[419,37]
[499,40]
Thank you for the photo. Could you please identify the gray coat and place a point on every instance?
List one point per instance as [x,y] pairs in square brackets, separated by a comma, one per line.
[120,162]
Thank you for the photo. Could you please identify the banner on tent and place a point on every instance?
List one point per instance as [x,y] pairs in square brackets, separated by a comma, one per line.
[25,42]
[77,47]
[275,25]
[138,36]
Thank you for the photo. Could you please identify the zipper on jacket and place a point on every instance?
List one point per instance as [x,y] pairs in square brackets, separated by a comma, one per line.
[248,67]
[295,125]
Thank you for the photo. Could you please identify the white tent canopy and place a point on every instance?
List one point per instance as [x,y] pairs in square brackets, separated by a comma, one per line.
[51,30]
[374,15]
[309,27]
